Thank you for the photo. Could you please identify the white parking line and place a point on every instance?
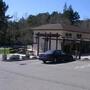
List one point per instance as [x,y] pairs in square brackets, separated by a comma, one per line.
[82,67]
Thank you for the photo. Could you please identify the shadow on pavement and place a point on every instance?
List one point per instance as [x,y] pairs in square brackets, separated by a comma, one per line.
[59,62]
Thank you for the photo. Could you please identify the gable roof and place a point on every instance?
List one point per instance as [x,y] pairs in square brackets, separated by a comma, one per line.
[61,27]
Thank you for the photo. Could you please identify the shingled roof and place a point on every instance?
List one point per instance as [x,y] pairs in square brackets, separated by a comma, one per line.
[60,27]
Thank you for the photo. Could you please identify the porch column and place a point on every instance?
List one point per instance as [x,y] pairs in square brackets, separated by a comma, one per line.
[38,37]
[32,41]
[63,43]
[45,42]
[50,41]
[56,41]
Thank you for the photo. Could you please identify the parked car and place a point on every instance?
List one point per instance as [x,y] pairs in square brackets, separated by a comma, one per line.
[55,55]
[14,57]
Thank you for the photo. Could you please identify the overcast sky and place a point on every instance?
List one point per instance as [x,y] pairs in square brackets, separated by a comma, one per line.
[24,8]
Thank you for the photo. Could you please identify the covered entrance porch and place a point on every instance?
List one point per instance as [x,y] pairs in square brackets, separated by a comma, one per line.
[51,41]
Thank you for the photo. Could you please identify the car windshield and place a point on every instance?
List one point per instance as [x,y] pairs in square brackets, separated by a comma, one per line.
[59,52]
[49,52]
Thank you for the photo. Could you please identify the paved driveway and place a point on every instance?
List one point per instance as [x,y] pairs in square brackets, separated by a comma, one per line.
[34,75]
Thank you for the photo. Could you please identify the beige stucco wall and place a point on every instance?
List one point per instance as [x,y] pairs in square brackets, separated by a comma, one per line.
[74,35]
[53,42]
[85,36]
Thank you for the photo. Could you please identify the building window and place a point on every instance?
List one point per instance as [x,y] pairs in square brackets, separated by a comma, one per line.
[68,35]
[79,36]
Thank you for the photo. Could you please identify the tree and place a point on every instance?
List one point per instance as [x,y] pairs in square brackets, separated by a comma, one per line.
[71,15]
[36,20]
[65,7]
[3,26]
[3,22]
[42,18]
[54,17]
[23,23]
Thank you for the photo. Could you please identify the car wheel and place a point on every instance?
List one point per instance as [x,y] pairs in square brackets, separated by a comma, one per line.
[44,61]
[71,59]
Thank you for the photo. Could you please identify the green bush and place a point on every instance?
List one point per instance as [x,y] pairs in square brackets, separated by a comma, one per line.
[4,51]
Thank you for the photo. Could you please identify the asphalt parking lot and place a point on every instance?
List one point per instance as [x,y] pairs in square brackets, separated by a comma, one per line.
[34,75]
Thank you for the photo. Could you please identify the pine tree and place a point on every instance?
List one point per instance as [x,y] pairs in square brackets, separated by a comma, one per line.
[65,7]
[3,26]
[3,22]
[71,15]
